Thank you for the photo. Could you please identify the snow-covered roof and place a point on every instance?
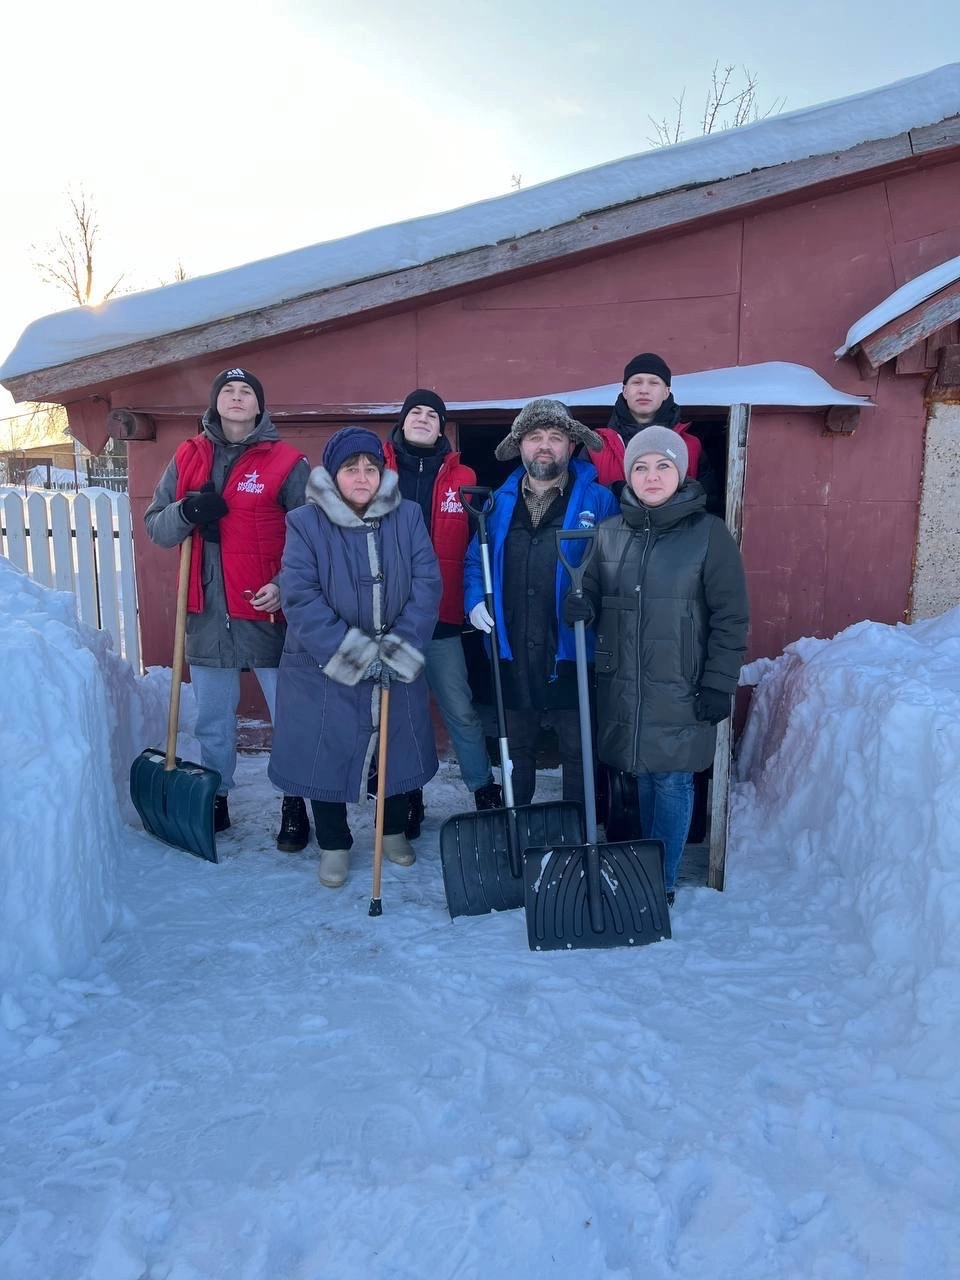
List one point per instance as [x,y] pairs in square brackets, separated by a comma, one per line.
[829,128]
[901,301]
[774,382]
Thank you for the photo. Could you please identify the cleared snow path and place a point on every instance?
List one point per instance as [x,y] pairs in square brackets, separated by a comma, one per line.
[256,1080]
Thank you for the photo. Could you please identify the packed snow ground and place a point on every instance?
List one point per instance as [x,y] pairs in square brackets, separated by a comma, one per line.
[212,1071]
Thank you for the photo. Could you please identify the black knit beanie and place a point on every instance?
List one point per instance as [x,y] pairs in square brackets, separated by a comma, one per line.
[236,374]
[423,396]
[648,363]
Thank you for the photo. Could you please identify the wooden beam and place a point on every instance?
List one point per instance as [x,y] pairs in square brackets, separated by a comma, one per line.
[128,425]
[738,429]
[842,419]
[913,326]
[948,368]
[586,236]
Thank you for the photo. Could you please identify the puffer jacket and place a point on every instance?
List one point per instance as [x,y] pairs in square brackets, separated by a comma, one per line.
[669,591]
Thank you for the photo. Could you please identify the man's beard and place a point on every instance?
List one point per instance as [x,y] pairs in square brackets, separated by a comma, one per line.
[542,469]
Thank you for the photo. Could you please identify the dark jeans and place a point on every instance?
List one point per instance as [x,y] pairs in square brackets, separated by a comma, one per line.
[523,728]
[330,821]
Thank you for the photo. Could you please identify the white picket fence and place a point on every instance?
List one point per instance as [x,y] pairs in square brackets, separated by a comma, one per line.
[82,544]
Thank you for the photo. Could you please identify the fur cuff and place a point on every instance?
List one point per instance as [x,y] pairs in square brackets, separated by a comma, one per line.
[351,660]
[402,658]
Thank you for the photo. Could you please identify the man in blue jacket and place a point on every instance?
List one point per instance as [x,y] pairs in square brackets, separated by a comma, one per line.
[549,491]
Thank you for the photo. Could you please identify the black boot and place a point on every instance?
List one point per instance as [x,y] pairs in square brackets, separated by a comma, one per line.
[489,796]
[294,825]
[221,814]
[414,814]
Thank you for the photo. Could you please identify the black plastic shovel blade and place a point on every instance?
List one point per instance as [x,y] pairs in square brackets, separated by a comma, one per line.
[475,858]
[176,805]
[602,895]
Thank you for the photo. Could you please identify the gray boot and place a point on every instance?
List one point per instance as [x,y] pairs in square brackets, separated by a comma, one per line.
[399,850]
[334,867]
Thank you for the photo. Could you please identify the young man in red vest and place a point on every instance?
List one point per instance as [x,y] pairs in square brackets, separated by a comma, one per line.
[229,489]
[431,475]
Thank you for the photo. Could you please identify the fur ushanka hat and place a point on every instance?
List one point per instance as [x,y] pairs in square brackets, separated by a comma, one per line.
[537,415]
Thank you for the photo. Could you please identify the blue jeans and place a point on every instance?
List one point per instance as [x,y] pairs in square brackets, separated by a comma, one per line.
[446,672]
[666,807]
[217,694]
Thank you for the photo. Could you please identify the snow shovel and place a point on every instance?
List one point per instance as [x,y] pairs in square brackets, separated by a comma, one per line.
[174,797]
[480,852]
[592,895]
[376,906]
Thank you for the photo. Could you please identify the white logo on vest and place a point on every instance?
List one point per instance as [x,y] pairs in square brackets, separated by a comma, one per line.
[451,503]
[251,483]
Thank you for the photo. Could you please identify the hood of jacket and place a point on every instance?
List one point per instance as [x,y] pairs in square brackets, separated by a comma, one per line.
[264,430]
[323,492]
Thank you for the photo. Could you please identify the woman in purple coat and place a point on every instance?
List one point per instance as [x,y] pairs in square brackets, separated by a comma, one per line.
[360,588]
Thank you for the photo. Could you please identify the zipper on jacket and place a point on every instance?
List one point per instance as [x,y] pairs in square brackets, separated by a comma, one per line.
[648,530]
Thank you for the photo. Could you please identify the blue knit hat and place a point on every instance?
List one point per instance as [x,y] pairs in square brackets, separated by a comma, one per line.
[347,443]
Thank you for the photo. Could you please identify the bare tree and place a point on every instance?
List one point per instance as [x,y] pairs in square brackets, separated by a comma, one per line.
[69,263]
[516,181]
[730,102]
[180,272]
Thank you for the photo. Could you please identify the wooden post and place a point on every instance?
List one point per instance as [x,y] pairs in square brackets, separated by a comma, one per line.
[738,425]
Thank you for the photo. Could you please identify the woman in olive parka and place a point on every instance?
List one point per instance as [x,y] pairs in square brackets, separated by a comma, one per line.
[667,592]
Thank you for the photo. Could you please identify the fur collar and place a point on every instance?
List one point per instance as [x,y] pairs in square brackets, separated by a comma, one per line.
[323,492]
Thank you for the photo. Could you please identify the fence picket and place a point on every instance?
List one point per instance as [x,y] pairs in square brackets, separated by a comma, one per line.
[129,616]
[61,538]
[39,540]
[15,539]
[88,605]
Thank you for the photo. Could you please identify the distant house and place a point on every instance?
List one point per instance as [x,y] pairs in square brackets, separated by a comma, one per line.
[752,252]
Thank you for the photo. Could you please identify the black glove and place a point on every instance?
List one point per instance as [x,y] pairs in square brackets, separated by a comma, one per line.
[711,705]
[577,609]
[204,507]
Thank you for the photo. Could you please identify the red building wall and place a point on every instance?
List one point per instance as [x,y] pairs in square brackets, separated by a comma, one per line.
[829,522]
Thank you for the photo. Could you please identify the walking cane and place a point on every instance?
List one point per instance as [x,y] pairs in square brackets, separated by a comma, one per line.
[376,906]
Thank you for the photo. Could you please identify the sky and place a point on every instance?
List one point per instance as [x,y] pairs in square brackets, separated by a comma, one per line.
[213,135]
[227,1072]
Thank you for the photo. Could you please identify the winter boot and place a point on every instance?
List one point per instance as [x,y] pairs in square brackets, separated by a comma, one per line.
[294,825]
[334,867]
[398,849]
[221,814]
[414,814]
[489,796]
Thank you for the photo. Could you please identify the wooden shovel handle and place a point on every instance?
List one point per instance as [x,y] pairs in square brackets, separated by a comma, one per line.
[179,644]
[376,908]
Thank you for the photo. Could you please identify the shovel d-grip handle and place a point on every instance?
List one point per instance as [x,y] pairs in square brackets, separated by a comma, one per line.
[576,571]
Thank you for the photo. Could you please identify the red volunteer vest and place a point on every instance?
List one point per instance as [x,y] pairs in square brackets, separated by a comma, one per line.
[449,529]
[253,531]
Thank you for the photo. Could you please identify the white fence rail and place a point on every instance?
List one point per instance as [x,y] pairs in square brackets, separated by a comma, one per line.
[82,544]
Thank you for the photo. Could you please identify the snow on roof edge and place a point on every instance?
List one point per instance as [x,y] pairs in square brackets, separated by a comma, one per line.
[834,126]
[770,383]
[902,300]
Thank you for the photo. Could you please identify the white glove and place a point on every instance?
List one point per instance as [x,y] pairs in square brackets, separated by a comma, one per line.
[480,617]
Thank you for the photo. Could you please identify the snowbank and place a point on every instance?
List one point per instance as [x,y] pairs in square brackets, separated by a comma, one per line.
[850,762]
[72,717]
